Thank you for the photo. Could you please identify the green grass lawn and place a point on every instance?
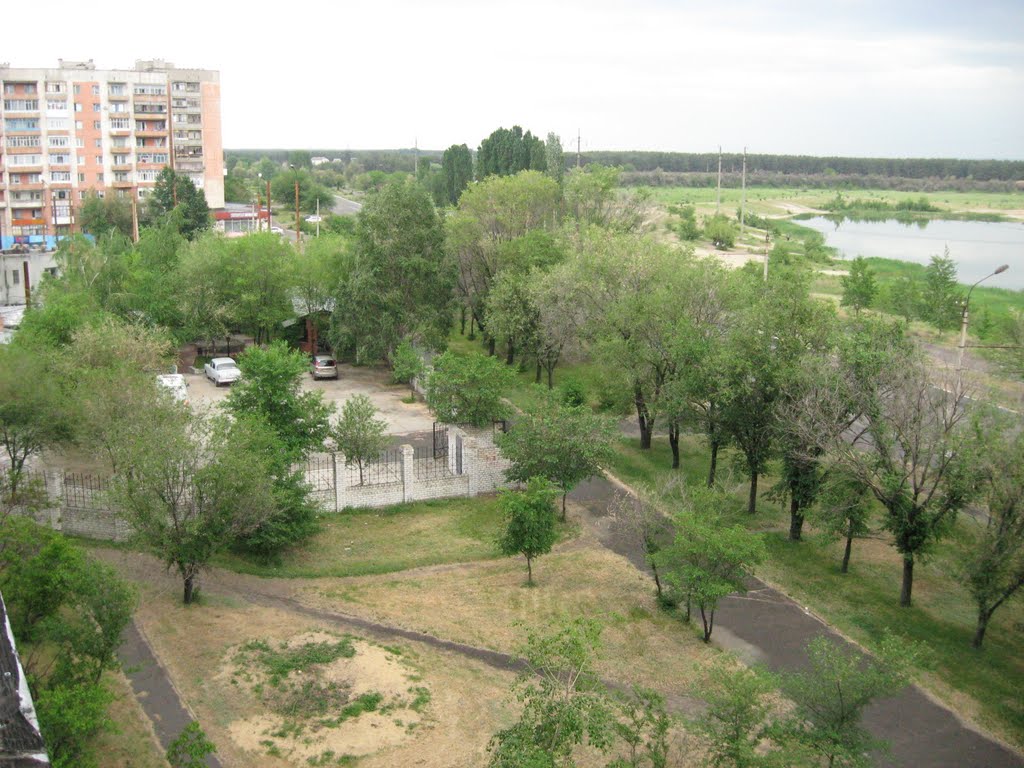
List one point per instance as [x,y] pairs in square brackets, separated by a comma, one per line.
[361,542]
[865,602]
[369,541]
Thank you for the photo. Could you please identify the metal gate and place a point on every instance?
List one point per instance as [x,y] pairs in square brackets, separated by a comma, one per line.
[440,441]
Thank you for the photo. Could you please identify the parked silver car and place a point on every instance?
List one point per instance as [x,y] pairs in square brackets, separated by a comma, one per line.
[323,367]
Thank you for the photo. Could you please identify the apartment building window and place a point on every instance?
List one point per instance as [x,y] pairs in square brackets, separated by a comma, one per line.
[56,105]
[21,197]
[98,143]
[22,141]
[60,176]
[76,89]
[31,88]
[21,124]
[81,178]
[119,106]
[78,106]
[99,179]
[118,89]
[96,107]
[79,142]
[56,124]
[97,124]
[122,176]
[78,125]
[148,175]
[25,160]
[82,160]
[56,88]
[120,141]
[9,88]
[120,124]
[58,141]
[150,90]
[21,105]
[60,159]
[99,159]
[95,90]
[15,277]
[26,178]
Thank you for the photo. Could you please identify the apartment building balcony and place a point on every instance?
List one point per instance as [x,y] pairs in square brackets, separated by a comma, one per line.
[122,166]
[119,131]
[34,150]
[27,222]
[26,203]
[149,110]
[150,98]
[122,184]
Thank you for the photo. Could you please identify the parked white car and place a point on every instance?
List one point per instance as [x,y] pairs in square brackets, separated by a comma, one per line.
[174,385]
[222,370]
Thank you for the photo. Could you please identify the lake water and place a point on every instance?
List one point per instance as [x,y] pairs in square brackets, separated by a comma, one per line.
[977,247]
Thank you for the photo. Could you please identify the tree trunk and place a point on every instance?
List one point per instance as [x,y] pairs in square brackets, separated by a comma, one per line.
[979,634]
[536,379]
[908,580]
[189,589]
[510,356]
[689,607]
[462,321]
[551,377]
[708,619]
[564,494]
[673,441]
[643,417]
[752,501]
[490,346]
[714,463]
[657,581]
[529,571]
[472,326]
[796,520]
[849,546]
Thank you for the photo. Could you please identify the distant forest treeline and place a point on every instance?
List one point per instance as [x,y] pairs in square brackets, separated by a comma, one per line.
[700,169]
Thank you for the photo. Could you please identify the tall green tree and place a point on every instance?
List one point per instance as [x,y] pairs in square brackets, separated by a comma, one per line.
[508,151]
[457,167]
[734,723]
[35,413]
[468,389]
[833,692]
[994,564]
[256,280]
[270,389]
[359,434]
[941,299]
[554,158]
[99,215]
[709,560]
[529,522]
[859,286]
[401,282]
[563,444]
[189,487]
[176,195]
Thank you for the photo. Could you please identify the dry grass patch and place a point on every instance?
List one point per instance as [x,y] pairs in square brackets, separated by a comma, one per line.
[134,744]
[487,604]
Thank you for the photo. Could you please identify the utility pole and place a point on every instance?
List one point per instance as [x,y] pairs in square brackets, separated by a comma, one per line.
[28,288]
[298,222]
[767,238]
[134,214]
[578,147]
[718,193]
[318,217]
[270,216]
[743,198]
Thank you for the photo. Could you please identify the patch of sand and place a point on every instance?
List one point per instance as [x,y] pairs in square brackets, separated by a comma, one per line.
[371,670]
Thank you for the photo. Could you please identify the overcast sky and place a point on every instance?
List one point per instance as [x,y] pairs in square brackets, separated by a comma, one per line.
[846,77]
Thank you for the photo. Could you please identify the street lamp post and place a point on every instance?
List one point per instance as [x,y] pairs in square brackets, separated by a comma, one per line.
[298,221]
[963,327]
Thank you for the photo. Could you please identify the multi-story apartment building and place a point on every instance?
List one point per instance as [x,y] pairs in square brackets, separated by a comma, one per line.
[74,129]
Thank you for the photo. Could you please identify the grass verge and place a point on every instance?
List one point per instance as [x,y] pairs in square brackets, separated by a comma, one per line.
[984,685]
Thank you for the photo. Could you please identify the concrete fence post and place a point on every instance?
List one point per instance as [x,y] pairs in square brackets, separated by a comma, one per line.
[54,480]
[470,463]
[408,475]
[341,485]
[334,477]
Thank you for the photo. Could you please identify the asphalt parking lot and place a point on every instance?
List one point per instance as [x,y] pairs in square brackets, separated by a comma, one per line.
[402,418]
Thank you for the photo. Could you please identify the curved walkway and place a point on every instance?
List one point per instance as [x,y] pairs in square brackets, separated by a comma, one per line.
[766,626]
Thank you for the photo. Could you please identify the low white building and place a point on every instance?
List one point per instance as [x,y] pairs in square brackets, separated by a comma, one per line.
[14,264]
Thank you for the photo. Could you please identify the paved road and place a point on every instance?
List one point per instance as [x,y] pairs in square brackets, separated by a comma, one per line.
[345,207]
[766,626]
[154,691]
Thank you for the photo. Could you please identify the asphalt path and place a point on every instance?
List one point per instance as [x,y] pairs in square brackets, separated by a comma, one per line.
[764,626]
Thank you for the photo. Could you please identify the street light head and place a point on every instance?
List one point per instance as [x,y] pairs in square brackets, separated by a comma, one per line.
[1001,269]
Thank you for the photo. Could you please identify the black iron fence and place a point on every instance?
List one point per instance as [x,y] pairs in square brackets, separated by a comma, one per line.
[85,491]
[387,468]
[426,465]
